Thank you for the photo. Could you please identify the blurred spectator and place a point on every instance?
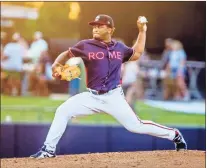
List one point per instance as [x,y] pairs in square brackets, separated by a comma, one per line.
[38,47]
[144,58]
[25,45]
[168,83]
[74,86]
[175,85]
[42,76]
[142,75]
[129,72]
[11,65]
[37,51]
[132,80]
[177,65]
[167,51]
[129,78]
[24,83]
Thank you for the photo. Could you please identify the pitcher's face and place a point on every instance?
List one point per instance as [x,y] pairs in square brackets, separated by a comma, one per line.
[101,32]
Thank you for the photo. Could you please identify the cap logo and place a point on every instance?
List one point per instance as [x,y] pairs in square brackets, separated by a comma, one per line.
[97,18]
[108,22]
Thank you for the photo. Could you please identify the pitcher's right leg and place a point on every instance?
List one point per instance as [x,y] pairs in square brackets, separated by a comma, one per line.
[81,104]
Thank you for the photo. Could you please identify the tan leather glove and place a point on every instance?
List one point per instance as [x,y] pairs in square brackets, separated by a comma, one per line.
[66,72]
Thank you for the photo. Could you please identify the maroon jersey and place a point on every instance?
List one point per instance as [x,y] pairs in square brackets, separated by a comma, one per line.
[102,61]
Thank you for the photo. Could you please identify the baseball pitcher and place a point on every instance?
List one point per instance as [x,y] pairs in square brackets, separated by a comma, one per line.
[103,58]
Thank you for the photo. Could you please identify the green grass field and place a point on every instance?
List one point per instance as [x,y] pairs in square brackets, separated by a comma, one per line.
[33,109]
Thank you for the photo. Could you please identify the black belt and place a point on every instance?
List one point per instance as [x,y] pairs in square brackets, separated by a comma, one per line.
[100,92]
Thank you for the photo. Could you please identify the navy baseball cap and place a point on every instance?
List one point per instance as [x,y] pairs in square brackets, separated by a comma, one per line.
[103,20]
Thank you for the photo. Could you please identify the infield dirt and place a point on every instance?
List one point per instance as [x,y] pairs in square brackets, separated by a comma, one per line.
[148,159]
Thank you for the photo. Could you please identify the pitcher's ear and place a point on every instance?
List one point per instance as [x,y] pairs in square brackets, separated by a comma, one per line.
[113,29]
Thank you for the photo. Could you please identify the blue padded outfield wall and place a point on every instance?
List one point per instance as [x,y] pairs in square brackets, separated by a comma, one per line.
[22,140]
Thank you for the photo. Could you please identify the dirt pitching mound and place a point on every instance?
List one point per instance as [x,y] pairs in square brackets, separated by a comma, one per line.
[153,159]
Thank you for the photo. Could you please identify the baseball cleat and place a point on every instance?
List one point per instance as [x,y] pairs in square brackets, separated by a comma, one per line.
[179,141]
[43,153]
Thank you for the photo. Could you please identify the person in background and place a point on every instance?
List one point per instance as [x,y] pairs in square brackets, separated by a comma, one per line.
[24,84]
[132,80]
[25,45]
[129,72]
[177,66]
[12,64]
[167,51]
[43,76]
[129,82]
[142,74]
[168,82]
[38,48]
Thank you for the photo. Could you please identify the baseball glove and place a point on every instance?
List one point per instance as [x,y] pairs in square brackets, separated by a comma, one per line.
[67,72]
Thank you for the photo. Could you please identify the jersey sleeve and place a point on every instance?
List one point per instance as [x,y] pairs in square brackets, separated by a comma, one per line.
[128,53]
[77,50]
